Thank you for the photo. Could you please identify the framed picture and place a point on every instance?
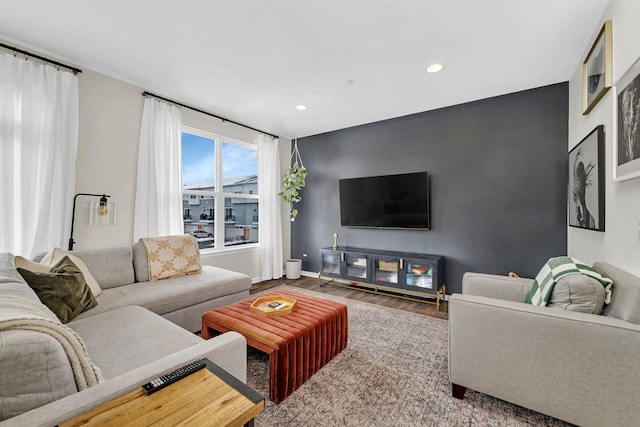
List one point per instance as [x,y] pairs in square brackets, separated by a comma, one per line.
[626,144]
[596,69]
[586,182]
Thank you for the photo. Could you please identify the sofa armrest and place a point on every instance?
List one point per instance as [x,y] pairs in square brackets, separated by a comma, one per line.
[494,286]
[228,350]
[578,367]
[34,370]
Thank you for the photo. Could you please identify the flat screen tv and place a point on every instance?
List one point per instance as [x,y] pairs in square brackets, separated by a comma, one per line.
[389,201]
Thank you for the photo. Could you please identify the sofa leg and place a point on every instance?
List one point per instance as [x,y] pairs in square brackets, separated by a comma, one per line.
[458,391]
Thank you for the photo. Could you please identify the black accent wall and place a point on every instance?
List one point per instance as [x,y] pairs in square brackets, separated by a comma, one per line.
[498,178]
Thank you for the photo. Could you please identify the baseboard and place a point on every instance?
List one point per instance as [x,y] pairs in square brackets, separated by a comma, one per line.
[312,274]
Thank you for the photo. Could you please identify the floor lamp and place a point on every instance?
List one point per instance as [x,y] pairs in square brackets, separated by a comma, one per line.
[100,213]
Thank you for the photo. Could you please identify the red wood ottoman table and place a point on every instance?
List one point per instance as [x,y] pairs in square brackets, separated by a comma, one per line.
[298,344]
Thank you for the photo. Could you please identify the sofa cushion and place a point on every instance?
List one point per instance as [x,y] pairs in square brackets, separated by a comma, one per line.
[625,302]
[173,294]
[172,256]
[578,292]
[52,258]
[63,290]
[111,267]
[130,337]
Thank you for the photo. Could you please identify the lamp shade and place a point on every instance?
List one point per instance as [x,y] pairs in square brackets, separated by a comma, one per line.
[102,213]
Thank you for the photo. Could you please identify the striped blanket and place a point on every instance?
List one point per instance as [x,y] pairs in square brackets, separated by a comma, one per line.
[554,270]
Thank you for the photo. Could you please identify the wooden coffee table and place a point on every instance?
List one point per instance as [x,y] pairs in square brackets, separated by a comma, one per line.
[211,396]
[298,344]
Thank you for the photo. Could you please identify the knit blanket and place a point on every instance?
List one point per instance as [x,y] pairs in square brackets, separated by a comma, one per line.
[23,314]
[554,270]
[172,256]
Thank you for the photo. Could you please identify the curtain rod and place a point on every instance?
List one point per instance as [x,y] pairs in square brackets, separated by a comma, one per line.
[208,113]
[41,58]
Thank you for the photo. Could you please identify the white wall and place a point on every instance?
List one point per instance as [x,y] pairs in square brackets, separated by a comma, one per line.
[620,243]
[110,117]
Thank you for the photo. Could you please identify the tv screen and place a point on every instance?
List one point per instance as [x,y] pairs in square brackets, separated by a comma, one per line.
[389,201]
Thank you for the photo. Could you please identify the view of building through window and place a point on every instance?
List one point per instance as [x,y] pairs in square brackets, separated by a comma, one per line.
[206,160]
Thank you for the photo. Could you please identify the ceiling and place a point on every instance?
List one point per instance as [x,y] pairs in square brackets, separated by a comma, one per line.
[350,61]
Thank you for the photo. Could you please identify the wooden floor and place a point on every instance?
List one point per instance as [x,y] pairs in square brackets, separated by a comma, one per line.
[384,300]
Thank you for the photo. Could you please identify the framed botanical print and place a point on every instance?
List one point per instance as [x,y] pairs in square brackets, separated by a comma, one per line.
[596,69]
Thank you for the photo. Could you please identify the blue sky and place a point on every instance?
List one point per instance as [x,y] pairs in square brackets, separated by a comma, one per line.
[198,160]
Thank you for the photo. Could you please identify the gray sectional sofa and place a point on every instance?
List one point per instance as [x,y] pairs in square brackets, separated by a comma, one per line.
[123,276]
[578,367]
[138,330]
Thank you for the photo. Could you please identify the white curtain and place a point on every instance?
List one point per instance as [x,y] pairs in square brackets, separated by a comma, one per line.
[158,204]
[38,145]
[270,234]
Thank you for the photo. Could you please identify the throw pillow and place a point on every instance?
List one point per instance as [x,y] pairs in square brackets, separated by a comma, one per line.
[555,269]
[54,256]
[578,292]
[63,290]
[172,256]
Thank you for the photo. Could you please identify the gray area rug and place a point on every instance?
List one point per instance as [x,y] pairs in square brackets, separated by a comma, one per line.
[392,373]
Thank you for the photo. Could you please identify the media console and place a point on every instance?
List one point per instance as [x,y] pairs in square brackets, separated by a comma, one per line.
[413,276]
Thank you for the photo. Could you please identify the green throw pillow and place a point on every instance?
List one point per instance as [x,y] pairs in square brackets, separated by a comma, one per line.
[64,289]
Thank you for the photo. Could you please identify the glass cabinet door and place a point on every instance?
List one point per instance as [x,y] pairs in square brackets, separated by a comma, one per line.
[385,271]
[418,275]
[330,263]
[356,266]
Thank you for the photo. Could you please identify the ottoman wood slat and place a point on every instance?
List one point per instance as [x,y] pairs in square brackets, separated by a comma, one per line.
[298,344]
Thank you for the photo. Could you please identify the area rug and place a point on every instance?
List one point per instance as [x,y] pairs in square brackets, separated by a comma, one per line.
[392,373]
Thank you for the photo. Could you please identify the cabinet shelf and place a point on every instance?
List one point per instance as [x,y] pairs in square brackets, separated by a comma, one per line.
[397,273]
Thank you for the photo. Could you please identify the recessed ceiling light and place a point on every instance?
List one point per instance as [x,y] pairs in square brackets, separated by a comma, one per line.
[434,68]
[301,107]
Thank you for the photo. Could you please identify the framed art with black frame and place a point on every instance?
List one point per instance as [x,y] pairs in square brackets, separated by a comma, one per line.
[626,144]
[586,182]
[596,69]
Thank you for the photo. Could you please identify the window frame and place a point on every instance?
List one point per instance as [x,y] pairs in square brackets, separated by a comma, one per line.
[218,194]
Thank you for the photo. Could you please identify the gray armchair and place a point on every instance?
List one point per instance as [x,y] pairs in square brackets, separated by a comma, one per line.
[578,367]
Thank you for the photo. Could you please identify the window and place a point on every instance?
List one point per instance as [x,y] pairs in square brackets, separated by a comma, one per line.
[211,210]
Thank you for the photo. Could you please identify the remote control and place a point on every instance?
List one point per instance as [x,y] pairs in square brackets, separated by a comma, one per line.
[171,377]
[278,307]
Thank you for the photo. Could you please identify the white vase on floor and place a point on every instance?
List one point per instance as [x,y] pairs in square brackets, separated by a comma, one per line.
[293,267]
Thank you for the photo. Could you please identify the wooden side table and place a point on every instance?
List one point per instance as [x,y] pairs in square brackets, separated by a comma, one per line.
[208,397]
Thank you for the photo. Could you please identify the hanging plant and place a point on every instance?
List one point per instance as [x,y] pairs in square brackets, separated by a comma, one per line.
[293,181]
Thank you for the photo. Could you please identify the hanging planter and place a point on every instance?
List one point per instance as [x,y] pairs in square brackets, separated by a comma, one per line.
[293,181]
